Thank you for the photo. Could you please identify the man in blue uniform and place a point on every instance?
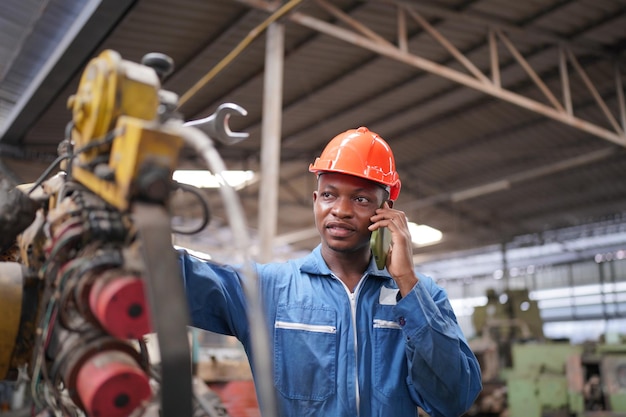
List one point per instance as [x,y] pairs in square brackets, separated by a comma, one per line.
[348,338]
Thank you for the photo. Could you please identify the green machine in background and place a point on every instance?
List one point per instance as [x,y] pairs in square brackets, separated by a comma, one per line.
[526,375]
[559,379]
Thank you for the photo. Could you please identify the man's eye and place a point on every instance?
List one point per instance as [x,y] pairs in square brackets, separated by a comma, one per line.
[362,200]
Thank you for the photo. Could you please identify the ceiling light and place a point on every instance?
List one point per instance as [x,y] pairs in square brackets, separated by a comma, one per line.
[423,235]
[205,179]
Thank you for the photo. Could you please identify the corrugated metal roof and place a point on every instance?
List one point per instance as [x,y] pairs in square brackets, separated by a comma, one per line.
[29,34]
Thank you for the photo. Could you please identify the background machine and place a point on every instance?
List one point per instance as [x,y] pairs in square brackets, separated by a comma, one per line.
[525,374]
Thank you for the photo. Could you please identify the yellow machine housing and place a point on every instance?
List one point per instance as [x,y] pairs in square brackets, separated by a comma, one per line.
[120,98]
[110,87]
[137,145]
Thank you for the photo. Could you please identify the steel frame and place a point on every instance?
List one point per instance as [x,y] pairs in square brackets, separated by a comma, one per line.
[561,111]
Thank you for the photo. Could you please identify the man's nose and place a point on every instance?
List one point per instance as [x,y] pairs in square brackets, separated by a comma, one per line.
[342,207]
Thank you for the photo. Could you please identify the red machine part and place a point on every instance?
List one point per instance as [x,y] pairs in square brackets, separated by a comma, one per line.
[119,305]
[110,384]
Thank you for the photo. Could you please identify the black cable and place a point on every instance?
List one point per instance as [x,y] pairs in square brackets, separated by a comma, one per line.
[144,354]
[206,212]
[70,155]
[47,172]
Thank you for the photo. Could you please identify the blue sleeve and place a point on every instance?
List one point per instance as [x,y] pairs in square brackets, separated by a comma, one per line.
[444,375]
[215,297]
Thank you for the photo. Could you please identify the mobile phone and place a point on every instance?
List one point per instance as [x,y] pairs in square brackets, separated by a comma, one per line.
[380,242]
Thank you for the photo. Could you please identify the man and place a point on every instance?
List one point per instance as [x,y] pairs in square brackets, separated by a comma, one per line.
[348,338]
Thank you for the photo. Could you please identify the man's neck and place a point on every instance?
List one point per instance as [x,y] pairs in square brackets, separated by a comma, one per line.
[349,267]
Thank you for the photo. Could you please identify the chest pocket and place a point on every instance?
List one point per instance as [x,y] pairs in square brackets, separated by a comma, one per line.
[390,363]
[305,351]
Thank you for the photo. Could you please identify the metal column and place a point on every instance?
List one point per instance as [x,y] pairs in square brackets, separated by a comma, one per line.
[270,139]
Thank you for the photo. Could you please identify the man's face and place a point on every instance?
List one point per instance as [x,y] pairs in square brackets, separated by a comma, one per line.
[343,205]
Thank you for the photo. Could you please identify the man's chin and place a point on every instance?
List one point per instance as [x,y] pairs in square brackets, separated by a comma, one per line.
[342,247]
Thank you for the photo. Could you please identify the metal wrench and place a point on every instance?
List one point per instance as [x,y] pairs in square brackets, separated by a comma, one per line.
[216,125]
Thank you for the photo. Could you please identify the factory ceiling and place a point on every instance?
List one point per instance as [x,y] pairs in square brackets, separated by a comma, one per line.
[507,118]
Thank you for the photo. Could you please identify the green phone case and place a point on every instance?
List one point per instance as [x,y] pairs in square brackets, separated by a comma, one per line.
[380,241]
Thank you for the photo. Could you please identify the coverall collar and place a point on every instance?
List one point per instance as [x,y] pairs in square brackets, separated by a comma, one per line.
[314,264]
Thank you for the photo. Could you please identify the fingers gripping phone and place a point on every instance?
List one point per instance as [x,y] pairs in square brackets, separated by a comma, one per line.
[380,242]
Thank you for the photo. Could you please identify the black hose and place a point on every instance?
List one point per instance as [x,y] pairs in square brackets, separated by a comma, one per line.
[206,212]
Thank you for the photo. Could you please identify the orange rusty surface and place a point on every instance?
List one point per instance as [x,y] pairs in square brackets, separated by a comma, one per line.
[238,397]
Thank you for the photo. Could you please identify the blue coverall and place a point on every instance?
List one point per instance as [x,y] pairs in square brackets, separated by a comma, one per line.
[370,353]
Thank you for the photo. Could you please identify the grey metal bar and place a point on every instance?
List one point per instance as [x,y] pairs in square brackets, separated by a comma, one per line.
[594,92]
[484,19]
[620,95]
[165,288]
[403,42]
[449,47]
[339,14]
[495,61]
[530,71]
[270,136]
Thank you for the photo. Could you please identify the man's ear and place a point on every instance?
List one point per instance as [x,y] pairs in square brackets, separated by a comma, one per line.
[390,203]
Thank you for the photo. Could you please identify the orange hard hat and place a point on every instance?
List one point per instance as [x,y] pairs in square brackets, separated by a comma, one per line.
[361,153]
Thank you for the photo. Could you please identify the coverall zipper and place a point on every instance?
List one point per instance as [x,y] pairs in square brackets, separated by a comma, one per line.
[353,297]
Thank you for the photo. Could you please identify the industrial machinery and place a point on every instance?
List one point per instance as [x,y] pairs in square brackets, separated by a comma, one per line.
[89,268]
[525,374]
[560,379]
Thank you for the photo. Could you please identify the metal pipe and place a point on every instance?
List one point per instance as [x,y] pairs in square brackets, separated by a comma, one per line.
[262,359]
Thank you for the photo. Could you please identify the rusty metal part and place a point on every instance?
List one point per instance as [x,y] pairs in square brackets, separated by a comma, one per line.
[11,283]
[31,243]
[19,297]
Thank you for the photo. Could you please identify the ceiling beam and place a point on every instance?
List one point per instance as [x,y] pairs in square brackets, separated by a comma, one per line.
[479,83]
[483,19]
